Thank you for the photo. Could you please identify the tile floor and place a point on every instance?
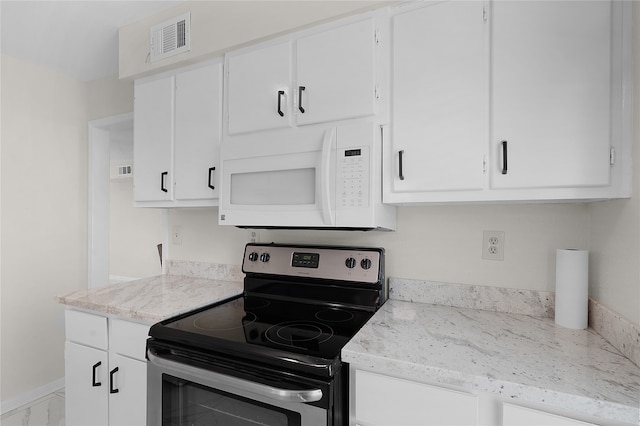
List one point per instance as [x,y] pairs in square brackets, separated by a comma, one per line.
[46,411]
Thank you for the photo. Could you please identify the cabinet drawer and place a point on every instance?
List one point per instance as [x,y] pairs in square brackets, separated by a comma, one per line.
[86,329]
[382,400]
[128,338]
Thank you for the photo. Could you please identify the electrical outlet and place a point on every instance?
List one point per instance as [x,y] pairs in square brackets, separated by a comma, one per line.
[493,245]
[253,236]
[176,235]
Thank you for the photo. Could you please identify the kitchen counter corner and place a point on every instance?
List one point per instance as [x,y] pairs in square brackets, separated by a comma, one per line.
[515,357]
[153,299]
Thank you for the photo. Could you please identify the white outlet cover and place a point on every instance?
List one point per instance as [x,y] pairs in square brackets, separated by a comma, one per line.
[493,245]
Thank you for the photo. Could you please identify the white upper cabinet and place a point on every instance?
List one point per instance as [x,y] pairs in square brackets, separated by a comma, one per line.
[259,89]
[177,133]
[198,120]
[321,75]
[509,101]
[153,139]
[335,73]
[439,73]
[551,88]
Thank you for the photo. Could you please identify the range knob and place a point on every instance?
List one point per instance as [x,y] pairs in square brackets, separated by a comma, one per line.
[253,256]
[350,262]
[365,263]
[264,257]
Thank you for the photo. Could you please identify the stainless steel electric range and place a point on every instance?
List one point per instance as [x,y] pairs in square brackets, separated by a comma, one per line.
[270,356]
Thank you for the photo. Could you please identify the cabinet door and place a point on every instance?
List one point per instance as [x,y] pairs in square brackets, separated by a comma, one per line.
[439,100]
[86,386]
[153,139]
[258,89]
[198,118]
[335,71]
[551,89]
[382,400]
[127,391]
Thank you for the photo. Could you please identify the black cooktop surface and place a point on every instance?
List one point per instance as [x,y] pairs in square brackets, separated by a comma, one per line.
[266,327]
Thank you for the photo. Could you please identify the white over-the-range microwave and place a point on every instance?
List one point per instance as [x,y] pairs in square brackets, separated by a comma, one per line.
[315,177]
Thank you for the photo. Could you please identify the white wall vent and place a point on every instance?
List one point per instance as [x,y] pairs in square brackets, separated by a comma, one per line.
[171,37]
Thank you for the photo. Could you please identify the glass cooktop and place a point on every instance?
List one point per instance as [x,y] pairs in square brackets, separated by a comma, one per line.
[267,327]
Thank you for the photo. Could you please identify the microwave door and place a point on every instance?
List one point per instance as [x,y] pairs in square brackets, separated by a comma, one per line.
[283,182]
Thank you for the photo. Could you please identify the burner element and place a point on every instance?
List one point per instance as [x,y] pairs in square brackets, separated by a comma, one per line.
[300,334]
[334,315]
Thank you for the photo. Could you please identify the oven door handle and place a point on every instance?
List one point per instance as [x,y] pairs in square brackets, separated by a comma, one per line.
[286,395]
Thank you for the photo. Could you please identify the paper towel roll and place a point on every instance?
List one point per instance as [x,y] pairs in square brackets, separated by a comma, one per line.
[572,288]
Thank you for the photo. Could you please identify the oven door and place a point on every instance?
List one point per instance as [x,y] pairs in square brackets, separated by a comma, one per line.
[185,393]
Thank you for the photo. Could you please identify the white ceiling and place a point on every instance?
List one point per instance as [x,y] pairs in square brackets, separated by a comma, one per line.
[77,38]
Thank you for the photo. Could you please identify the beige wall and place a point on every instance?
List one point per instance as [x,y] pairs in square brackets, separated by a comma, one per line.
[43,230]
[134,234]
[615,226]
[442,243]
[109,96]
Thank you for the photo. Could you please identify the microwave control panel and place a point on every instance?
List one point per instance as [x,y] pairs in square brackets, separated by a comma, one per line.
[353,176]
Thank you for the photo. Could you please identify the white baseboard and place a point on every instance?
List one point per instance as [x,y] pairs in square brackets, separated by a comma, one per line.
[30,396]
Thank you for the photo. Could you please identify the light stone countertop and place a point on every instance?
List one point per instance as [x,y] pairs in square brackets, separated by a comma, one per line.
[150,300]
[516,357]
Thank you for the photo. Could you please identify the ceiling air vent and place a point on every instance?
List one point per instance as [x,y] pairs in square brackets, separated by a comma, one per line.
[170,37]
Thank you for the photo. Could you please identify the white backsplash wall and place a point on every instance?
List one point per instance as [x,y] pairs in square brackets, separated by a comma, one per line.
[440,243]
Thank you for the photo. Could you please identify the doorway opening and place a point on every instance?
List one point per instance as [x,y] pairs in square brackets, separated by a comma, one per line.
[123,240]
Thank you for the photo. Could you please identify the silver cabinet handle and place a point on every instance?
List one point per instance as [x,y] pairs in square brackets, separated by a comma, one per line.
[286,395]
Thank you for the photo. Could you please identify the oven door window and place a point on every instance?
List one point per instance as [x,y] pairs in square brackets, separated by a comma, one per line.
[187,403]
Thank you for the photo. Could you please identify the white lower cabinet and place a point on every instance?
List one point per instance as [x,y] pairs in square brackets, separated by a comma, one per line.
[513,415]
[388,401]
[128,403]
[377,399]
[86,376]
[105,371]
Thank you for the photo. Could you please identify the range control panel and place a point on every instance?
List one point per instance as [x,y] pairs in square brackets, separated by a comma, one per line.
[333,263]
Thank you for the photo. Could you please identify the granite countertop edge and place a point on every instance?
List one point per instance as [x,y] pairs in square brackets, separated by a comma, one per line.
[153,299]
[391,344]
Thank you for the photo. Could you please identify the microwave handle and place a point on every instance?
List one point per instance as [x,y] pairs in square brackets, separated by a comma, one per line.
[325,177]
